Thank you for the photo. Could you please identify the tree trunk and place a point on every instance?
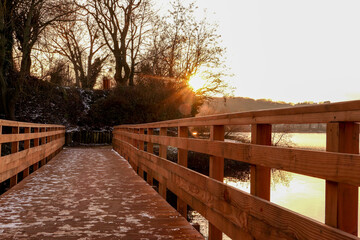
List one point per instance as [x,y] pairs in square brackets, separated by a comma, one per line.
[120,67]
[10,112]
[132,74]
[8,83]
[25,63]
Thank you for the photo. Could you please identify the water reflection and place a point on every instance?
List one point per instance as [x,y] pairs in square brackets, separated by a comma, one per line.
[299,193]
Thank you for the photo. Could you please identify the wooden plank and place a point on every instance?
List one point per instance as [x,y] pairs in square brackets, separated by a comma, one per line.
[141,143]
[12,164]
[150,145]
[333,166]
[150,149]
[27,142]
[323,113]
[135,141]
[163,154]
[183,161]
[37,139]
[260,176]
[133,205]
[15,145]
[341,205]
[35,166]
[27,136]
[13,181]
[9,123]
[0,137]
[43,139]
[163,148]
[26,172]
[236,213]
[216,168]
[216,171]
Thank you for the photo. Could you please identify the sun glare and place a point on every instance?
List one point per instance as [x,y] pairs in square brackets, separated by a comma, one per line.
[197,82]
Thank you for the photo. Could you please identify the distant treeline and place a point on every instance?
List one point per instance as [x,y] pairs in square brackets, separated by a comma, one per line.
[241,104]
[288,128]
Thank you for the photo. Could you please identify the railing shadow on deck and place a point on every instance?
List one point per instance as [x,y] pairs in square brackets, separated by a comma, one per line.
[247,216]
[24,147]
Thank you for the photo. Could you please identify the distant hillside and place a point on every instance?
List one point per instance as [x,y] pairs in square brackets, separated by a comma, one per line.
[238,104]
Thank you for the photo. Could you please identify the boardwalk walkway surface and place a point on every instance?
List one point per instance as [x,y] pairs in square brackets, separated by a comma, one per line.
[88,193]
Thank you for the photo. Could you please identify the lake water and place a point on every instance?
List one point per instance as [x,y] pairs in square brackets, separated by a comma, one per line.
[299,193]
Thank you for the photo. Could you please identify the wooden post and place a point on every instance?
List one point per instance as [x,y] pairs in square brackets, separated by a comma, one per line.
[43,162]
[135,141]
[216,171]
[141,143]
[341,202]
[0,143]
[260,176]
[150,145]
[27,142]
[36,140]
[135,160]
[26,146]
[14,149]
[183,161]
[150,149]
[163,154]
[50,138]
[36,166]
[15,145]
[36,143]
[163,148]
[43,139]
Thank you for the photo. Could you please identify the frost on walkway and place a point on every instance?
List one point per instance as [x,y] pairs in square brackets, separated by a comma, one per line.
[88,193]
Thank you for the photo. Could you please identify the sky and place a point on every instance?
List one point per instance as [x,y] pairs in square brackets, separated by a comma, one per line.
[292,51]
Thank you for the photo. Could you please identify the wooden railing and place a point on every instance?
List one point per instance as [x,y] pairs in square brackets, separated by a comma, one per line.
[24,147]
[247,216]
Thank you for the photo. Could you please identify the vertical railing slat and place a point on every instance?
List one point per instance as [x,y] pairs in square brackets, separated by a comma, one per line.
[26,146]
[14,149]
[36,140]
[150,149]
[260,176]
[0,143]
[341,201]
[183,161]
[150,145]
[163,154]
[216,171]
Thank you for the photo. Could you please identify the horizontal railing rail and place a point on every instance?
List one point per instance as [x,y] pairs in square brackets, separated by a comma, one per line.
[239,214]
[24,147]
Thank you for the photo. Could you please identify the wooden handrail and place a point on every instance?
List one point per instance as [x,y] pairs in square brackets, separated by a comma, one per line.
[239,214]
[333,166]
[40,143]
[323,113]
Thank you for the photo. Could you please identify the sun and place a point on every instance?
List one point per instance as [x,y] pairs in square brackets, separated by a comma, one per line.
[197,82]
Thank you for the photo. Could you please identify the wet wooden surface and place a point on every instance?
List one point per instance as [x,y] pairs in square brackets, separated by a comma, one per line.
[88,193]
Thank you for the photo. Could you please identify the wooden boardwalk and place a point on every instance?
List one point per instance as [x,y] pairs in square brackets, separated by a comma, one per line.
[88,193]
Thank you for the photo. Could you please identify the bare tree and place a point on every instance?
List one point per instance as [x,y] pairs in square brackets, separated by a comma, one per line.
[8,86]
[139,29]
[31,18]
[22,22]
[80,43]
[114,19]
[182,44]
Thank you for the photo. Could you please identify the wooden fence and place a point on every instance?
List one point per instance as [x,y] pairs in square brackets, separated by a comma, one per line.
[24,147]
[82,137]
[247,216]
